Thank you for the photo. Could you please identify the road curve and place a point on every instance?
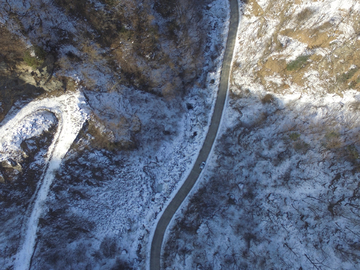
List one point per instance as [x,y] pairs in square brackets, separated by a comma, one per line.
[155,252]
[71,117]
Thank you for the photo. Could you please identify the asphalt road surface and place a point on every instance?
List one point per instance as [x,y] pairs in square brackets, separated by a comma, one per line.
[156,244]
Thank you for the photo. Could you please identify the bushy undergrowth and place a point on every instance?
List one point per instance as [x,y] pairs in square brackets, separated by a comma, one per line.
[34,57]
[143,40]
[11,47]
[298,63]
[346,76]
[304,15]
[287,177]
[12,50]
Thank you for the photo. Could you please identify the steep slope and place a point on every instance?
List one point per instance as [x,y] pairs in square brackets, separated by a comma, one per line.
[205,151]
[145,45]
[282,189]
[150,73]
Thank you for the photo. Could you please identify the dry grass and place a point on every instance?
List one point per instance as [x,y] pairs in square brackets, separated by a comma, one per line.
[294,136]
[168,91]
[12,88]
[334,69]
[101,138]
[92,52]
[333,140]
[312,37]
[256,9]
[88,82]
[346,76]
[128,31]
[298,63]
[301,146]
[12,48]
[304,15]
[104,133]
[34,57]
[65,64]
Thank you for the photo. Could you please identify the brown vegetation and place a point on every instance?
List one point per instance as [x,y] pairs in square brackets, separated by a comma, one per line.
[12,48]
[335,72]
[112,135]
[12,88]
[132,34]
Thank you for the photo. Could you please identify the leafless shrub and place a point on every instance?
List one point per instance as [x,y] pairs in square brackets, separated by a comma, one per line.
[91,51]
[333,140]
[355,106]
[304,14]
[11,48]
[108,247]
[268,98]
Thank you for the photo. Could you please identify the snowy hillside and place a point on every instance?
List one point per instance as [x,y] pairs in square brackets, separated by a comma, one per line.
[107,113]
[282,188]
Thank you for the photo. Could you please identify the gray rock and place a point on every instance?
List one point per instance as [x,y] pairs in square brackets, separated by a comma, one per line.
[42,77]
[11,164]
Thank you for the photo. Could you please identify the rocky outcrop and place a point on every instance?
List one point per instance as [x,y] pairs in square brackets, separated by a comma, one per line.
[11,164]
[42,76]
[11,170]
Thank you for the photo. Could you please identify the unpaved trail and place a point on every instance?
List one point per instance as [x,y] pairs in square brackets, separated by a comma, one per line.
[70,110]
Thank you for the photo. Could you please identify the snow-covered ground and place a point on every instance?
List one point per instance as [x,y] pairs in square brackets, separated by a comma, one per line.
[280,191]
[30,122]
[282,188]
[97,207]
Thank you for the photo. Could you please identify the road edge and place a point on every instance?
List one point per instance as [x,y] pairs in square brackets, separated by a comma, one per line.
[216,119]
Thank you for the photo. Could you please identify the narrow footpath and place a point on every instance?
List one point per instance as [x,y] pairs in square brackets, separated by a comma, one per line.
[156,244]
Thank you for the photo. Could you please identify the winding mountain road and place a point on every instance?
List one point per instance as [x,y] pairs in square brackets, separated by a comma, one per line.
[157,241]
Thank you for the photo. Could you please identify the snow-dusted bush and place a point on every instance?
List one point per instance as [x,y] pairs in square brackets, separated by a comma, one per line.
[281,193]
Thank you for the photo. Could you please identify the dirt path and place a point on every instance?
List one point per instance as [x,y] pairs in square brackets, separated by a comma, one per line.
[156,244]
[71,117]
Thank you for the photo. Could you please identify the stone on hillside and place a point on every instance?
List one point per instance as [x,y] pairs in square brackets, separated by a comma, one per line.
[11,164]
[42,77]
